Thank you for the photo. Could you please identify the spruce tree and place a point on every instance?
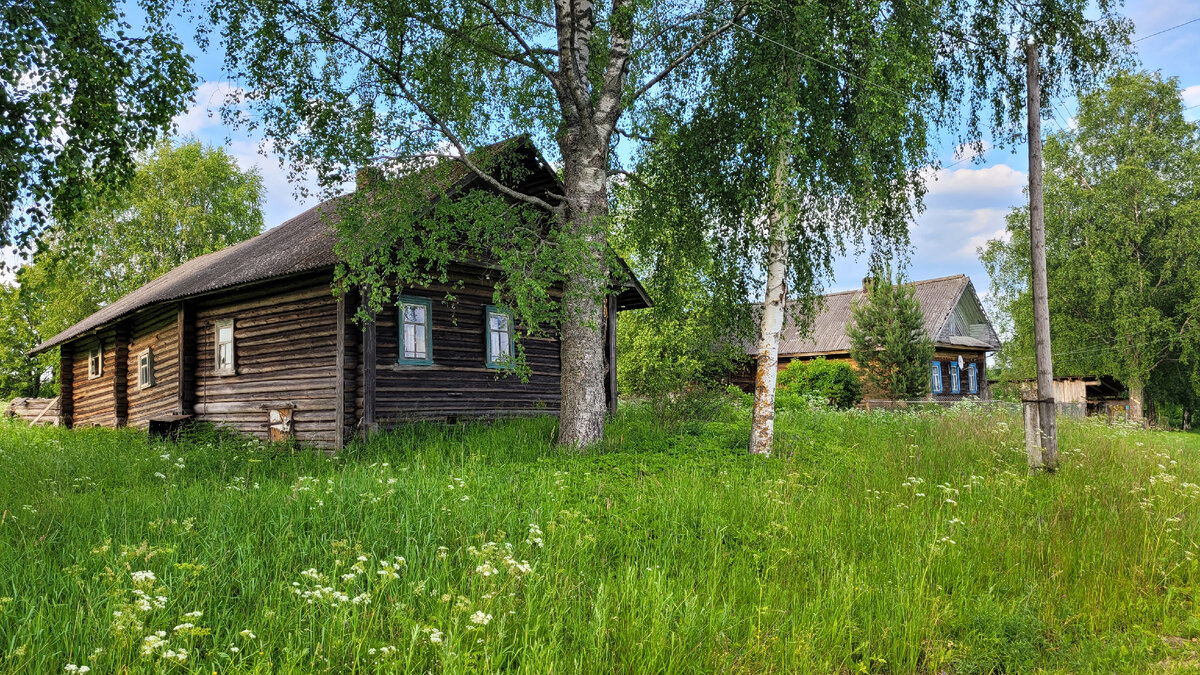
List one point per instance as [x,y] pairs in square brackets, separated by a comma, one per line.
[888,339]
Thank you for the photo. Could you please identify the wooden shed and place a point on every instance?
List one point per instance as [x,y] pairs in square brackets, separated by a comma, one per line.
[253,338]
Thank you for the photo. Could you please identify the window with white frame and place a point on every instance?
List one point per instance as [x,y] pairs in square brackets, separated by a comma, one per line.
[146,369]
[223,355]
[95,362]
[937,377]
[416,331]
[499,338]
[972,379]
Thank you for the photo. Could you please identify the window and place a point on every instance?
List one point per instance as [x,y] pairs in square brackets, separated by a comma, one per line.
[146,369]
[95,362]
[224,356]
[499,338]
[955,388]
[972,379]
[416,331]
[937,377]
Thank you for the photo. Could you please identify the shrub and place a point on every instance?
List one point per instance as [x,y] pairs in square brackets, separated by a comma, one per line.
[834,382]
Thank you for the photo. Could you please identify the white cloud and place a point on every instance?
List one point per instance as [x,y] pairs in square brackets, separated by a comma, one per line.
[990,181]
[1190,95]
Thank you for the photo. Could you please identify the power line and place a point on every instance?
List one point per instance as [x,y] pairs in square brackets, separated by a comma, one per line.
[1167,30]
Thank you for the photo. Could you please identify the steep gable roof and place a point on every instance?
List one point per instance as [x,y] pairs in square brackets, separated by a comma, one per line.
[939,298]
[301,244]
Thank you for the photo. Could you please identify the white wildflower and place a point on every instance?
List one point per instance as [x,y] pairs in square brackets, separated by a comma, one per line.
[481,619]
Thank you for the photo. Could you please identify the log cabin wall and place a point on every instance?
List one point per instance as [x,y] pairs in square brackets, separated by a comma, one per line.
[93,400]
[944,357]
[285,338]
[154,329]
[458,384]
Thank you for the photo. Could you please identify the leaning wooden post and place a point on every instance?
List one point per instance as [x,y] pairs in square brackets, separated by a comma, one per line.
[1037,240]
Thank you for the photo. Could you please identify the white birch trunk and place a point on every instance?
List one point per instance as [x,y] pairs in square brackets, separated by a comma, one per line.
[762,425]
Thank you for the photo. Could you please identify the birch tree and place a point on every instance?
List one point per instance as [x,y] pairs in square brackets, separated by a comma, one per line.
[812,137]
[340,85]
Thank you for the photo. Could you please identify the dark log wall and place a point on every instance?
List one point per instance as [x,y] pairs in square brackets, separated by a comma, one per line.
[944,357]
[94,403]
[285,342]
[156,329]
[458,384]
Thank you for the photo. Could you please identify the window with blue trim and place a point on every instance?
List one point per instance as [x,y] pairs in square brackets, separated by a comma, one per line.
[972,379]
[499,338]
[937,377]
[955,386]
[416,331]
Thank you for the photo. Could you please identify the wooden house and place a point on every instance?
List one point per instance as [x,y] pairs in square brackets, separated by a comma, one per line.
[253,338]
[954,318]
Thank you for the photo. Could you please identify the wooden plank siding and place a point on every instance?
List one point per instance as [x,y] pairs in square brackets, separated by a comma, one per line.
[94,402]
[284,356]
[156,330]
[459,384]
[297,346]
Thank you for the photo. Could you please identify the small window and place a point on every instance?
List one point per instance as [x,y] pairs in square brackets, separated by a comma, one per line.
[95,362]
[416,331]
[499,338]
[937,377]
[972,379]
[224,355]
[955,387]
[146,369]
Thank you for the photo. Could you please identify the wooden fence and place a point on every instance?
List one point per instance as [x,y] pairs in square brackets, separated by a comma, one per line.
[34,410]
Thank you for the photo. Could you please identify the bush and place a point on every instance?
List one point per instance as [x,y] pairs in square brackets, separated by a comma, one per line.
[835,382]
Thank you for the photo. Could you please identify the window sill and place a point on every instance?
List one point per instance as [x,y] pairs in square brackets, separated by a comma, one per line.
[224,373]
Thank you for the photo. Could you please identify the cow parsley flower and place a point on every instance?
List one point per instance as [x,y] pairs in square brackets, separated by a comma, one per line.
[481,619]
[144,578]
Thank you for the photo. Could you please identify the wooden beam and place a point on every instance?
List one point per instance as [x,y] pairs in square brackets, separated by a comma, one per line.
[369,364]
[120,380]
[339,440]
[66,384]
[185,343]
[610,336]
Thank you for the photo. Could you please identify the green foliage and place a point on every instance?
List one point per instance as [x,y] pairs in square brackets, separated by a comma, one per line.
[183,201]
[835,382]
[888,339]
[1122,237]
[80,96]
[899,543]
[824,142]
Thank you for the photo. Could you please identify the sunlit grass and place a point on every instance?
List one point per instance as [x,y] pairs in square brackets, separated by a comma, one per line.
[875,543]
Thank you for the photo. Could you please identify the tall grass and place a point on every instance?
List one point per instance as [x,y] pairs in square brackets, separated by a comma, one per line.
[869,543]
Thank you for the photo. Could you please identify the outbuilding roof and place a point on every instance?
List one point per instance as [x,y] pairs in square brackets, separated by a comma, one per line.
[301,244]
[938,298]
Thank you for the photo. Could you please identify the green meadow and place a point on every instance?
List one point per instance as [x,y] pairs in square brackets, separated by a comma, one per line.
[872,543]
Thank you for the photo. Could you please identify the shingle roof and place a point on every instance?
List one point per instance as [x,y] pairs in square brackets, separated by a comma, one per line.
[938,298]
[304,243]
[301,244]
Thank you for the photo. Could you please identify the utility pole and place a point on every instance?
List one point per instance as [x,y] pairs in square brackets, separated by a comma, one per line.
[1044,423]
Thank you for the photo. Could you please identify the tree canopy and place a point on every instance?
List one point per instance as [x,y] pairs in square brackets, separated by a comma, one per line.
[1122,244]
[80,95]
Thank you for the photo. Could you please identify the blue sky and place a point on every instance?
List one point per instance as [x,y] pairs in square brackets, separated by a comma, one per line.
[965,206]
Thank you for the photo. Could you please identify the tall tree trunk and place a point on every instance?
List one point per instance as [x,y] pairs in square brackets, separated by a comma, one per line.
[1137,405]
[585,175]
[762,426]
